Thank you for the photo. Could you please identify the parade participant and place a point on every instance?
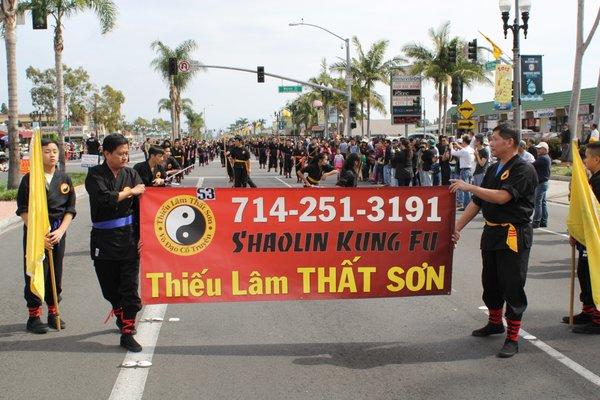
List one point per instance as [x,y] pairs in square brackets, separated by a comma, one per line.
[505,198]
[152,171]
[318,168]
[239,157]
[287,151]
[300,155]
[273,147]
[589,318]
[178,154]
[93,145]
[170,164]
[349,174]
[115,239]
[262,155]
[60,197]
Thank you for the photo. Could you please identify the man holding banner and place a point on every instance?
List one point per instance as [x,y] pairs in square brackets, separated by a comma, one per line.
[584,227]
[46,203]
[506,199]
[113,190]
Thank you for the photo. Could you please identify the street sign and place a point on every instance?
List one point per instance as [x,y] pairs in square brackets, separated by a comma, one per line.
[184,66]
[290,89]
[466,109]
[466,124]
[405,98]
[491,65]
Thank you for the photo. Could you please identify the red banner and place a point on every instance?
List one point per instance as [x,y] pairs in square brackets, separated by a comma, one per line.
[209,245]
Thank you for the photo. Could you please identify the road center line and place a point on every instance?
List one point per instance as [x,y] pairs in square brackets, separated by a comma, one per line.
[558,356]
[282,181]
[131,381]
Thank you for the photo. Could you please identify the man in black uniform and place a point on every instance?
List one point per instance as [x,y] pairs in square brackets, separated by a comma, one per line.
[273,148]
[287,151]
[178,154]
[239,157]
[115,239]
[589,318]
[60,197]
[92,145]
[152,171]
[506,198]
[170,164]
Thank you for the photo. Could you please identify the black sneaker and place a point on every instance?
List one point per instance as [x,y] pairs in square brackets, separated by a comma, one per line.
[589,329]
[129,342]
[52,322]
[35,325]
[535,225]
[509,349]
[579,319]
[489,329]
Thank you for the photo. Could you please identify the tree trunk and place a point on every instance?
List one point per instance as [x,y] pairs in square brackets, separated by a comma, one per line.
[445,110]
[60,93]
[597,102]
[10,40]
[172,97]
[368,111]
[440,101]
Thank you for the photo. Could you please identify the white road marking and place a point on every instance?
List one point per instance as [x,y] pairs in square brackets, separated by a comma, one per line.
[282,181]
[200,182]
[552,232]
[558,356]
[131,381]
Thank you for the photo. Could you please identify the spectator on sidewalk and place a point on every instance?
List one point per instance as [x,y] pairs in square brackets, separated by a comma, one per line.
[594,134]
[542,168]
[466,161]
[482,159]
[565,139]
[524,154]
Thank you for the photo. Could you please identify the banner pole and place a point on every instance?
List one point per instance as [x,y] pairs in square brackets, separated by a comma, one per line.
[54,294]
[572,294]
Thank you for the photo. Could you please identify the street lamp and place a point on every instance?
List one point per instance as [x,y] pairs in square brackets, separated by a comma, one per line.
[523,6]
[348,73]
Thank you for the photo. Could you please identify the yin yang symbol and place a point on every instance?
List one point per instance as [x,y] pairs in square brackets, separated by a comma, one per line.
[185,225]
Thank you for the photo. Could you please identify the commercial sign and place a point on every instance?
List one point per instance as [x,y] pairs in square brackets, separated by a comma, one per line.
[216,245]
[405,97]
[503,87]
[531,78]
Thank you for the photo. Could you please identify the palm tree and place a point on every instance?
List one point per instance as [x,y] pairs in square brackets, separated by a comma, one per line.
[106,11]
[369,69]
[434,65]
[8,10]
[177,83]
[165,105]
[195,122]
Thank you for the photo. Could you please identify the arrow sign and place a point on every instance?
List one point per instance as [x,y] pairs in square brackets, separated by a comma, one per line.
[466,124]
[466,109]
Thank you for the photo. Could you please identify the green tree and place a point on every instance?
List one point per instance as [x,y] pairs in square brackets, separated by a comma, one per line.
[178,83]
[8,12]
[107,110]
[368,69]
[161,126]
[434,65]
[165,105]
[195,122]
[141,125]
[59,10]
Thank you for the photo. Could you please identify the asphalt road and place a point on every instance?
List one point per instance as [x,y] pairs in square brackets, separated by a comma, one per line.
[405,348]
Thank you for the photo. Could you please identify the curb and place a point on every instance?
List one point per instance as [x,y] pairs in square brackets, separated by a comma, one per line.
[560,178]
[14,221]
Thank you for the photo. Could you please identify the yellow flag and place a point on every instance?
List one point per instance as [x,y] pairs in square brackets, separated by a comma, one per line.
[583,220]
[38,224]
[497,51]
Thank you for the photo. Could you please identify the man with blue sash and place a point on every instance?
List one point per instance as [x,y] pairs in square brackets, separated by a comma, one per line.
[114,191]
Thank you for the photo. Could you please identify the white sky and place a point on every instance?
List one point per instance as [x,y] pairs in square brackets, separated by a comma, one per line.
[247,34]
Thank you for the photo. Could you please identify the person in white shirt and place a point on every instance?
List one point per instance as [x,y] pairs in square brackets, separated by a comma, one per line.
[524,154]
[466,161]
[594,135]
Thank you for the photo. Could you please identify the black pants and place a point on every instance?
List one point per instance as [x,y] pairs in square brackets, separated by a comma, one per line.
[272,162]
[503,278]
[445,170]
[58,253]
[240,177]
[119,281]
[583,273]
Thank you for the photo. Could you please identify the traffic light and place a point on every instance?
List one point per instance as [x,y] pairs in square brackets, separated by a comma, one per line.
[260,74]
[352,109]
[452,53]
[39,18]
[457,90]
[172,66]
[472,54]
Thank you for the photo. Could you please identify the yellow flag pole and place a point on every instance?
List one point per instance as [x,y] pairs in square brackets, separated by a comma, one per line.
[571,297]
[54,293]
